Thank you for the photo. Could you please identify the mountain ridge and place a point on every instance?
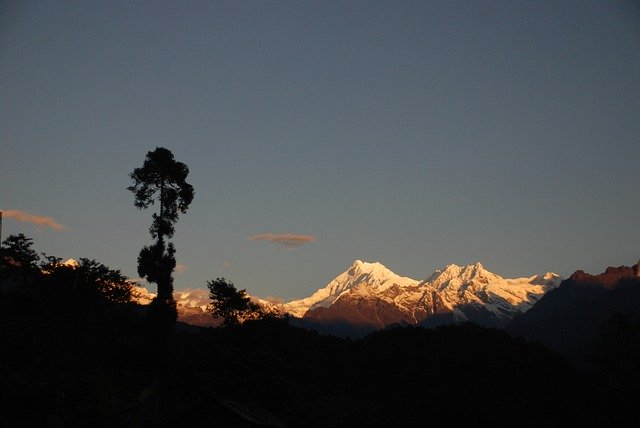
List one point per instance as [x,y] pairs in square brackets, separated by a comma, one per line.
[570,318]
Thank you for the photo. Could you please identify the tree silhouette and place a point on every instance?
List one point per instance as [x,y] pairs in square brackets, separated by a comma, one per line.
[161,179]
[101,282]
[88,280]
[18,258]
[232,305]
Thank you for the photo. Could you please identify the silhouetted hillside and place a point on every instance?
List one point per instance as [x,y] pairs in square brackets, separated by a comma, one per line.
[90,365]
[569,319]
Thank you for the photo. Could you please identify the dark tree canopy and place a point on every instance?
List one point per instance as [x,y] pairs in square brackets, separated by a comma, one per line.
[161,178]
[18,258]
[103,282]
[88,280]
[156,262]
[232,305]
[18,247]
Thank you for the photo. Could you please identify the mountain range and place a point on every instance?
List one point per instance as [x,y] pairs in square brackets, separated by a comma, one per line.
[369,296]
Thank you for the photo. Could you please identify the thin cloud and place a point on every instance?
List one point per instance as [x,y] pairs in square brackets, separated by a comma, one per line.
[289,240]
[38,220]
[181,268]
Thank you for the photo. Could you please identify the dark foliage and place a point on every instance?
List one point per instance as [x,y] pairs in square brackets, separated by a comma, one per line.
[232,305]
[162,178]
[68,362]
[17,259]
[89,280]
[100,281]
[156,264]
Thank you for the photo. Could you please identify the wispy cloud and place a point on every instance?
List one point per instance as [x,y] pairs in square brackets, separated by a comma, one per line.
[38,220]
[289,240]
[181,268]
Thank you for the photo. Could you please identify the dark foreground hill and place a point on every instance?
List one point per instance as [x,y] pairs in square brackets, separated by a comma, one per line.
[573,318]
[66,362]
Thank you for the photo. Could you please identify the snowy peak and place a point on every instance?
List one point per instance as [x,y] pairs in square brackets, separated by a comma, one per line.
[461,286]
[374,275]
[454,276]
[72,263]
[549,279]
[359,267]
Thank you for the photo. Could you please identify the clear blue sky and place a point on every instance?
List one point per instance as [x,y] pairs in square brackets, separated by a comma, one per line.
[416,134]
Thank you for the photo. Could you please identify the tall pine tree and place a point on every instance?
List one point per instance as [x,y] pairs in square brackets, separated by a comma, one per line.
[161,179]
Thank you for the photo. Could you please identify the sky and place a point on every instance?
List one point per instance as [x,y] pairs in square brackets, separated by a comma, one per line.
[416,134]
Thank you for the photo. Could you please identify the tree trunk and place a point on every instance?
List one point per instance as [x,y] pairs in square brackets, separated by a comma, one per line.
[164,289]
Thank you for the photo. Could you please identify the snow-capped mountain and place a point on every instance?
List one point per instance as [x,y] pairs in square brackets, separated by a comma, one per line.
[370,295]
[373,275]
[190,304]
[467,289]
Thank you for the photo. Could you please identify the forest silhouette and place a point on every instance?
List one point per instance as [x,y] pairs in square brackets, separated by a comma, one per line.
[76,351]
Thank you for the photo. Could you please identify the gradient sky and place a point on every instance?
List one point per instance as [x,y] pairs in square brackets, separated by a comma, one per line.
[416,134]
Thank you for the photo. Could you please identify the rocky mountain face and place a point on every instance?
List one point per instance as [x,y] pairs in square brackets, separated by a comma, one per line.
[368,296]
[572,318]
